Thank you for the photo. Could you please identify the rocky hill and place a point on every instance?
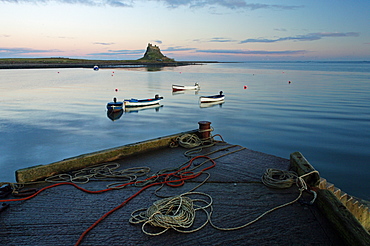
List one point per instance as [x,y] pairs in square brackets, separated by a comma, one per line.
[153,53]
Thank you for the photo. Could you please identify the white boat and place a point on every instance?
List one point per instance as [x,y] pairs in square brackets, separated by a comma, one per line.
[185,87]
[142,102]
[96,68]
[216,98]
[155,107]
[211,104]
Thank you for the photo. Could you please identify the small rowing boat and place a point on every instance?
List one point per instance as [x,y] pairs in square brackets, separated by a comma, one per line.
[211,104]
[185,87]
[115,106]
[114,115]
[155,107]
[215,98]
[142,102]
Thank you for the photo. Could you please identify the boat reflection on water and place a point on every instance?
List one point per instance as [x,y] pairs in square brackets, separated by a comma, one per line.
[156,107]
[114,114]
[211,104]
[174,92]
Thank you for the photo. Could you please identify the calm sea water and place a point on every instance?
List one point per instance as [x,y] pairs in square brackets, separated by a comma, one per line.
[47,115]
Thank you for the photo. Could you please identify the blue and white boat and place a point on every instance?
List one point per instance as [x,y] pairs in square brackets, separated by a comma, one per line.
[142,102]
[216,98]
[211,104]
[155,107]
[96,68]
[114,115]
[115,106]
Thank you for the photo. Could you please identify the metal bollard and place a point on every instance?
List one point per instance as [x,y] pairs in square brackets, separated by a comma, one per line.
[204,129]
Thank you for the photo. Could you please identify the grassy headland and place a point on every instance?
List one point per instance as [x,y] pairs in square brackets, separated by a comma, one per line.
[60,62]
[152,57]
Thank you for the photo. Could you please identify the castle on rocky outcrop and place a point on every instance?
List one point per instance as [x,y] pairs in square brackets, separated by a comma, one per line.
[153,53]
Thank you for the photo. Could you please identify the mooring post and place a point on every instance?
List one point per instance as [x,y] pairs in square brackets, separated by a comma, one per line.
[204,130]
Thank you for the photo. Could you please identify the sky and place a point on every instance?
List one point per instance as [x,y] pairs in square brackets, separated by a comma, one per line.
[187,30]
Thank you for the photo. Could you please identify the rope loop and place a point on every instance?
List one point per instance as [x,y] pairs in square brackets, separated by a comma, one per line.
[275,178]
[189,141]
[100,172]
[176,213]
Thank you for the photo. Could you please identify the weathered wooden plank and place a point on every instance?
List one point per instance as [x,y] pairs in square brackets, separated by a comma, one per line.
[301,166]
[349,228]
[42,171]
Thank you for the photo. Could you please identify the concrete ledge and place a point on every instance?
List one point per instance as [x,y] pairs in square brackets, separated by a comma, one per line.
[42,171]
[348,227]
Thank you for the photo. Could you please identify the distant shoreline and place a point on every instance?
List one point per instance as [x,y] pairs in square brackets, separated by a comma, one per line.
[23,63]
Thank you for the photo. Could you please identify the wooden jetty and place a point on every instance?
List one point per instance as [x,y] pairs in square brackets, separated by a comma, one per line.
[236,207]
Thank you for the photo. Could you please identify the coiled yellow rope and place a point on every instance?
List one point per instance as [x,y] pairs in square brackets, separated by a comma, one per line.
[275,178]
[176,212]
[100,172]
[189,141]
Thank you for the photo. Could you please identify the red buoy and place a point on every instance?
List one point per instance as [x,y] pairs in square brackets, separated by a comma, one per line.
[245,87]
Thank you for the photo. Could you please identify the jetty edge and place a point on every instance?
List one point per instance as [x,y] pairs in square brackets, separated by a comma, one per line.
[39,172]
[340,217]
[348,215]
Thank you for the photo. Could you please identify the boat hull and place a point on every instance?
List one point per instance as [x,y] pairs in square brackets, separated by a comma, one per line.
[211,104]
[114,115]
[185,87]
[137,109]
[209,99]
[115,106]
[141,103]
